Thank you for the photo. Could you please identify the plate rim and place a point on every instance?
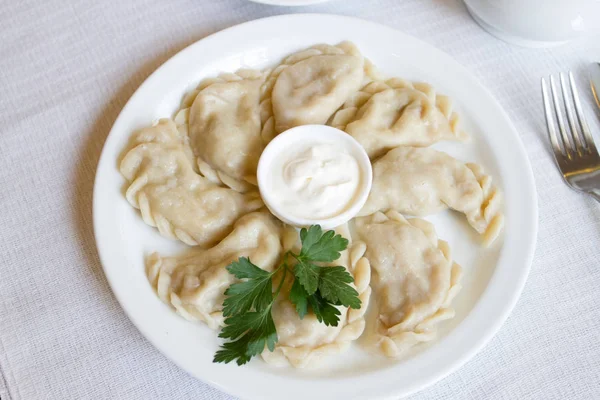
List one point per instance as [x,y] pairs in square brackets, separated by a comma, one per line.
[476,346]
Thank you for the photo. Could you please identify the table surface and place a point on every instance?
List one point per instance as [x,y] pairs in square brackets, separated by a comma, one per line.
[66,70]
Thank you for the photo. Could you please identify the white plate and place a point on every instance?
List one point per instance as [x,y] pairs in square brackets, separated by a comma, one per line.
[493,278]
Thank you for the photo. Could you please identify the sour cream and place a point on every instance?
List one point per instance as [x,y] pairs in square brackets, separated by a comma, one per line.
[314,174]
[316,181]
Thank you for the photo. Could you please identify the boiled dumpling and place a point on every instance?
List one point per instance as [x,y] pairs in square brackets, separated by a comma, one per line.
[309,86]
[414,279]
[305,342]
[421,181]
[385,115]
[222,120]
[195,283]
[172,196]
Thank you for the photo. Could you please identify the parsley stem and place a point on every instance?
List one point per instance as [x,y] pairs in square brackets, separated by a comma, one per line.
[284,263]
[285,269]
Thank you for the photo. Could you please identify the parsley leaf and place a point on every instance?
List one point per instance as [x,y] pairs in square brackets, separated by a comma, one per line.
[308,275]
[322,308]
[333,286]
[321,247]
[252,330]
[231,351]
[299,298]
[243,268]
[325,312]
[256,292]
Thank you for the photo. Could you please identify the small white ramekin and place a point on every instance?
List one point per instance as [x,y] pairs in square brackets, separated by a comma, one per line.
[302,136]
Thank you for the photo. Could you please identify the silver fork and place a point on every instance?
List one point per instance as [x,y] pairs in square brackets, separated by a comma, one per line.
[574,149]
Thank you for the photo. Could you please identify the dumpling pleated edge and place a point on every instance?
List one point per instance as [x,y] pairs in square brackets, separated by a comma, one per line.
[346,114]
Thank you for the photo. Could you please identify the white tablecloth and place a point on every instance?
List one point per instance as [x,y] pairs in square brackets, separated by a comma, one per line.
[66,70]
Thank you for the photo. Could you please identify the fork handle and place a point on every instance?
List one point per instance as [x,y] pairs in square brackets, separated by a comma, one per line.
[595,195]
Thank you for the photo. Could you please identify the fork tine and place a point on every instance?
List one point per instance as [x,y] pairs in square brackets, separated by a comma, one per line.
[579,147]
[558,154]
[582,122]
[561,123]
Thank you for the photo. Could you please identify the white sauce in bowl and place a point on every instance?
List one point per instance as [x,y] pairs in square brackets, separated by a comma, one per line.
[319,180]
[314,174]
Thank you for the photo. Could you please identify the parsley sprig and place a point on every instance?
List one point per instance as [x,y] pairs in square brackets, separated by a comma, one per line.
[248,304]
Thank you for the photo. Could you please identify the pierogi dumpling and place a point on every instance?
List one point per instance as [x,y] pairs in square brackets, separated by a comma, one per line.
[421,181]
[387,114]
[195,283]
[172,197]
[310,85]
[305,342]
[222,120]
[413,279]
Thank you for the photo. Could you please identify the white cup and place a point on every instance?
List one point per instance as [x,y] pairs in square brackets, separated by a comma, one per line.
[536,23]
